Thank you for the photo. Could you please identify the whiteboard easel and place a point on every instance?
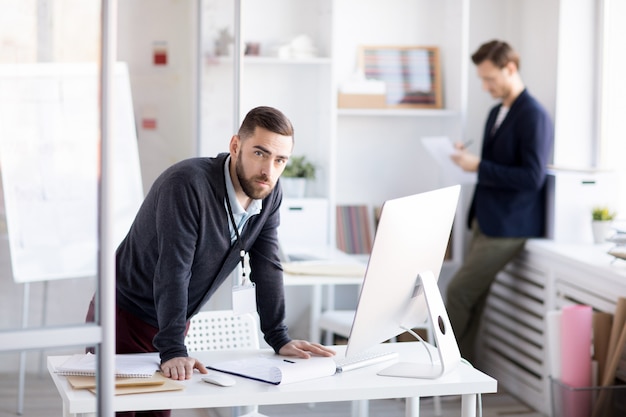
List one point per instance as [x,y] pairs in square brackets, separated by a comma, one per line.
[49,144]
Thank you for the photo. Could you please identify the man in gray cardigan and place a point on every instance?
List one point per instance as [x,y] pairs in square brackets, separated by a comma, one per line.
[190,233]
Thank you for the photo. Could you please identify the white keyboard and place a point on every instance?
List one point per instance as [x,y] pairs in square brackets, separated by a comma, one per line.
[366,358]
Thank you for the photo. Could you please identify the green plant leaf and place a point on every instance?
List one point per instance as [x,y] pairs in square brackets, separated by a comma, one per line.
[299,167]
[602,213]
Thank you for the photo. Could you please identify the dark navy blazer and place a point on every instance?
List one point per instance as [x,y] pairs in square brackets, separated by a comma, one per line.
[509,198]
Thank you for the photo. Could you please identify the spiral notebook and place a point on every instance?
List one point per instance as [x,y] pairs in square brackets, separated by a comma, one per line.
[126,365]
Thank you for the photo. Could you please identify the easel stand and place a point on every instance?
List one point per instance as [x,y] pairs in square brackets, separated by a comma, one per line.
[25,317]
[22,371]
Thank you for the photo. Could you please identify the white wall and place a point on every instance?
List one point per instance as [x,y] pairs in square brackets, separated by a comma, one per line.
[530,27]
[576,84]
[163,92]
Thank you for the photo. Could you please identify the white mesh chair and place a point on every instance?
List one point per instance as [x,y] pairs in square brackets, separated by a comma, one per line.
[220,330]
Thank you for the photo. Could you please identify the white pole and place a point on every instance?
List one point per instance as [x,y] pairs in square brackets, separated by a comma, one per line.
[22,376]
[105,316]
[237,66]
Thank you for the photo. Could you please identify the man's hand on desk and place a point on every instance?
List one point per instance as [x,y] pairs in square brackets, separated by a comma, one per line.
[304,349]
[182,368]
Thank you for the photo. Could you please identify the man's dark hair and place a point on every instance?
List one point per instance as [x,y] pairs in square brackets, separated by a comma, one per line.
[498,52]
[268,118]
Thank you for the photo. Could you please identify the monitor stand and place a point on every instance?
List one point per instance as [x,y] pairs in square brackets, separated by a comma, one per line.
[447,348]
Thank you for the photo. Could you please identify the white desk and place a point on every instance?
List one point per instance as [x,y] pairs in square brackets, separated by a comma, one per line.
[359,384]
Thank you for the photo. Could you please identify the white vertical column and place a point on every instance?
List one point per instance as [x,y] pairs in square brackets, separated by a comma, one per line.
[237,66]
[105,314]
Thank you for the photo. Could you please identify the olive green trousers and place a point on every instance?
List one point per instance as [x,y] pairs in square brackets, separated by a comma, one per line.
[467,292]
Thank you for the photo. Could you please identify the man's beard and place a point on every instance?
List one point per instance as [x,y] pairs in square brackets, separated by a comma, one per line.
[248,185]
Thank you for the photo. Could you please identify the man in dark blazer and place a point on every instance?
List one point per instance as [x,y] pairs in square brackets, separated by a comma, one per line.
[508,205]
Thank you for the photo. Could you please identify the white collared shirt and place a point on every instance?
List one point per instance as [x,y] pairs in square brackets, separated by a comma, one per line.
[239,213]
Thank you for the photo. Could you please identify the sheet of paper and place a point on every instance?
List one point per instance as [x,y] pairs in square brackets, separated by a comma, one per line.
[441,148]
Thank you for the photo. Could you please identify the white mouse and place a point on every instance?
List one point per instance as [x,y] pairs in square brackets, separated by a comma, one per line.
[222,380]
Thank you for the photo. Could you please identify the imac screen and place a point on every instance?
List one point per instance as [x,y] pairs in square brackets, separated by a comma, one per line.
[411,239]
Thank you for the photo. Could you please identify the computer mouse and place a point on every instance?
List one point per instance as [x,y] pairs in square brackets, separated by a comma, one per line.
[222,380]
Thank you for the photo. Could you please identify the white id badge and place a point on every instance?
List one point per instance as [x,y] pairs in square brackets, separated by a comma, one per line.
[244,298]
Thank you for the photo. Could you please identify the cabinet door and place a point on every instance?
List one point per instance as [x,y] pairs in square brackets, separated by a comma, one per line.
[303,223]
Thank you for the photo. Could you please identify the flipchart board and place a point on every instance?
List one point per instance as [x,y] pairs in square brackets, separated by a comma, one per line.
[49,161]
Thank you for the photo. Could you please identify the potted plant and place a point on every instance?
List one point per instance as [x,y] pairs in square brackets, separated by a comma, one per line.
[601,217]
[602,214]
[296,173]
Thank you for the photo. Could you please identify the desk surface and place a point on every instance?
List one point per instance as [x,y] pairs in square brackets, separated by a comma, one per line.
[592,258]
[336,269]
[354,385]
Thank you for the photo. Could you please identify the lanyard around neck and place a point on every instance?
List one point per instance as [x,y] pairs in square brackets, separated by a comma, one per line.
[242,252]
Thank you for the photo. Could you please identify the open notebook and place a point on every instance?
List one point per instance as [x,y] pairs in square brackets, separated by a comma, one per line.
[126,365]
[278,369]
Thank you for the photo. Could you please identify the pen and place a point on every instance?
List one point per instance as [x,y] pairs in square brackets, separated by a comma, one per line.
[288,361]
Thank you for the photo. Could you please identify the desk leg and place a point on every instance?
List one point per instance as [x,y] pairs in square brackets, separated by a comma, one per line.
[65,412]
[412,407]
[360,408]
[316,309]
[468,405]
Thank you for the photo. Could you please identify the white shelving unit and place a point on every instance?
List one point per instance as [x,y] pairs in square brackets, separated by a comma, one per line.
[397,112]
[377,152]
[364,156]
[300,87]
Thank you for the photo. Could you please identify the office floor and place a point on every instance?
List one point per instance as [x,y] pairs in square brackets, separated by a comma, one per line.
[42,400]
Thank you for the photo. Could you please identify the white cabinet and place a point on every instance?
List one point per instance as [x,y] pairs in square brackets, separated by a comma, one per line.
[572,194]
[303,223]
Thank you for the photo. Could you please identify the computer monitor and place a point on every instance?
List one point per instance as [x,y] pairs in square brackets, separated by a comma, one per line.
[400,290]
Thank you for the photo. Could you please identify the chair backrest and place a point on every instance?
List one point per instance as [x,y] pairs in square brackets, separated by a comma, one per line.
[221,329]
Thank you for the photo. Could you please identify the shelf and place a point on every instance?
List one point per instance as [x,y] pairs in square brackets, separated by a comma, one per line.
[269,60]
[398,112]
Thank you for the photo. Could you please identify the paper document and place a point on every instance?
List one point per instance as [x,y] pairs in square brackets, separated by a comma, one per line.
[441,148]
[126,365]
[278,369]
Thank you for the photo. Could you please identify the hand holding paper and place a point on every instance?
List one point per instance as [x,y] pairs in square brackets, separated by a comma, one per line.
[466,161]
[443,151]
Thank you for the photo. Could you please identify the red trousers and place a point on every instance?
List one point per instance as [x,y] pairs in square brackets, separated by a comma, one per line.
[131,336]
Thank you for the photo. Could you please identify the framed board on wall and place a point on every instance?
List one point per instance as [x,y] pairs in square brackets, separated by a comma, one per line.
[49,160]
[412,74]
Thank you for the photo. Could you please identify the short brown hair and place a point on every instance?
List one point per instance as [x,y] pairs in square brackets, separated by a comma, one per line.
[268,118]
[498,52]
